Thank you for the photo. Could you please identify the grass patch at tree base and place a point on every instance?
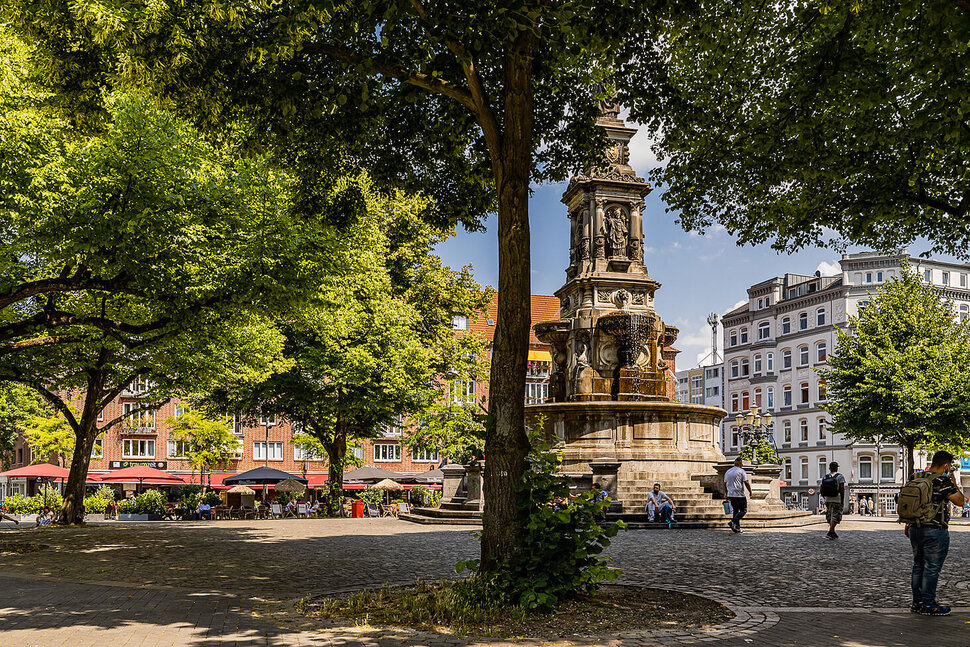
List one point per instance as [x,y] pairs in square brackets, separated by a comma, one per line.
[438,607]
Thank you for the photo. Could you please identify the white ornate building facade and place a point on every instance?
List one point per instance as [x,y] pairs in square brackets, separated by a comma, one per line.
[774,346]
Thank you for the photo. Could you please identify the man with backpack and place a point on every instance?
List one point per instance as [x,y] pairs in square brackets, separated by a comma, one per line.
[924,508]
[832,490]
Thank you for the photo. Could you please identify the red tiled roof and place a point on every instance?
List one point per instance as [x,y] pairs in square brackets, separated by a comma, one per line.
[544,308]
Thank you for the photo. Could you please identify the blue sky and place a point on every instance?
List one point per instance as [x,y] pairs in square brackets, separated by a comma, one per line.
[699,274]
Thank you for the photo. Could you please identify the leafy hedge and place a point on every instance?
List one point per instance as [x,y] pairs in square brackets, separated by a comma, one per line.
[148,502]
[17,504]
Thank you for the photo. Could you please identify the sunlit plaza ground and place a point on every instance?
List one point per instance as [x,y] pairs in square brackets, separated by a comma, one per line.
[234,583]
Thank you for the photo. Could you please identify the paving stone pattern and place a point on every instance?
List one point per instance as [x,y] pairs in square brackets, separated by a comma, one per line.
[225,583]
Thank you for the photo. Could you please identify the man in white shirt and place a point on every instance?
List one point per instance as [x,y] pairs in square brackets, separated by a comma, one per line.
[736,480]
[660,507]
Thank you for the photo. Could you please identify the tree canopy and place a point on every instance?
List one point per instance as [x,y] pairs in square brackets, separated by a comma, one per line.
[49,438]
[800,123]
[901,372]
[17,405]
[206,443]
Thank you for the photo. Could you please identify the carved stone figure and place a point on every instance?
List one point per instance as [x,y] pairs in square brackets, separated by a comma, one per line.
[616,231]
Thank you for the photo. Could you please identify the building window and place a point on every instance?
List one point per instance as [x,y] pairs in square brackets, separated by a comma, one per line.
[535,392]
[459,323]
[888,468]
[820,351]
[757,397]
[356,452]
[696,382]
[821,429]
[97,451]
[865,467]
[946,278]
[385,453]
[712,391]
[180,410]
[761,303]
[803,430]
[963,280]
[822,394]
[820,317]
[868,277]
[135,419]
[803,475]
[744,335]
[734,369]
[786,359]
[788,469]
[275,451]
[770,398]
[804,393]
[305,453]
[745,400]
[786,325]
[745,368]
[734,437]
[879,276]
[131,448]
[461,391]
[787,427]
[764,330]
[734,401]
[964,312]
[786,395]
[757,364]
[734,337]
[928,277]
[272,421]
[769,363]
[803,321]
[803,356]
[822,469]
[177,449]
[711,373]
[424,456]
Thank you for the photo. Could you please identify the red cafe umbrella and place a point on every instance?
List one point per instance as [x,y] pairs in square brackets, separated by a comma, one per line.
[141,474]
[39,471]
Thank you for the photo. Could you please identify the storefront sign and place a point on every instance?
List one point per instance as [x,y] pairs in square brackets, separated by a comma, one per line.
[965,463]
[117,465]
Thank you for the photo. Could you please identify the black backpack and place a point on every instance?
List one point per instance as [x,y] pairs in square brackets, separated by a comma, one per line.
[830,485]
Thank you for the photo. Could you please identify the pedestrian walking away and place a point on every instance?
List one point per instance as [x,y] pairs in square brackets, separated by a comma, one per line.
[832,489]
[735,481]
[924,508]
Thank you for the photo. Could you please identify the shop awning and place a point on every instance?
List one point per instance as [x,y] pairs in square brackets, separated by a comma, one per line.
[261,476]
[539,356]
[141,474]
[39,471]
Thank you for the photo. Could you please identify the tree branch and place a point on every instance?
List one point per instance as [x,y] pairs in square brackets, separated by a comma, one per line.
[65,283]
[396,71]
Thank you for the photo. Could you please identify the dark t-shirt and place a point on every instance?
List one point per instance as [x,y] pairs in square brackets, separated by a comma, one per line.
[943,487]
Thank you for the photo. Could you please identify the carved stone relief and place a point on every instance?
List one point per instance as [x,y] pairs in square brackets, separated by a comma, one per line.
[616,230]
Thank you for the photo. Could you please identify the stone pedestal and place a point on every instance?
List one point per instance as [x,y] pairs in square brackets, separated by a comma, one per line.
[451,483]
[765,485]
[473,488]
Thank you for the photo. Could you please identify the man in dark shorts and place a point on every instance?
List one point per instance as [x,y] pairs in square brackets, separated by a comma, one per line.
[931,539]
[832,489]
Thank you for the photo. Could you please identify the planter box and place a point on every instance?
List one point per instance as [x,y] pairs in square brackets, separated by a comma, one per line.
[26,518]
[94,516]
[122,516]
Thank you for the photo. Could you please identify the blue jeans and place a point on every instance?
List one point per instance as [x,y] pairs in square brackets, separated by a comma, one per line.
[930,546]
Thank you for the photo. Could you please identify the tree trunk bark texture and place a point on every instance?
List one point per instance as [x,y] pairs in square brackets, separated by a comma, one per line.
[506,444]
[72,510]
[336,455]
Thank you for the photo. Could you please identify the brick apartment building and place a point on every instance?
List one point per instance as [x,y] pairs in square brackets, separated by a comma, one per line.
[144,438]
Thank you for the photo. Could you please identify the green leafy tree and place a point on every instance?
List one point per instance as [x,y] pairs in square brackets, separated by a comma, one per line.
[49,437]
[207,444]
[140,252]
[369,345]
[17,405]
[901,373]
[794,123]
[468,102]
[455,429]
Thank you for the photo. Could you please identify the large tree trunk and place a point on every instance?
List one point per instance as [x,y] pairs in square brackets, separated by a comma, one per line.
[72,511]
[506,443]
[336,457]
[910,462]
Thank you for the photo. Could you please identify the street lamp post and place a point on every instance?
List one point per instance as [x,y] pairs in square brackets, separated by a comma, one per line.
[268,424]
[754,426]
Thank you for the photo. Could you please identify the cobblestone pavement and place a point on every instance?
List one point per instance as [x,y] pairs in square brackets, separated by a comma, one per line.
[224,583]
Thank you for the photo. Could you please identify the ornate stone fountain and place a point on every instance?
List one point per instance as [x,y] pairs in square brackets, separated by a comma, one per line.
[609,393]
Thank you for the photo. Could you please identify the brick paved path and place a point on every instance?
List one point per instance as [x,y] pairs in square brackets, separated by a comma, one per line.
[221,584]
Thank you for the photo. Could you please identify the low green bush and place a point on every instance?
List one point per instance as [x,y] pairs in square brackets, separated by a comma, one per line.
[212,498]
[94,504]
[372,496]
[17,504]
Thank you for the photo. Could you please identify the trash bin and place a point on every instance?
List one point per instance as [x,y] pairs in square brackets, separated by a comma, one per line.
[357,509]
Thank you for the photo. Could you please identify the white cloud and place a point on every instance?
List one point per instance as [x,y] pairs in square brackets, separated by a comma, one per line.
[735,306]
[829,269]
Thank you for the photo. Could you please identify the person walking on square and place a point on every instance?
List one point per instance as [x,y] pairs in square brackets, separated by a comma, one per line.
[832,489]
[736,480]
[924,507]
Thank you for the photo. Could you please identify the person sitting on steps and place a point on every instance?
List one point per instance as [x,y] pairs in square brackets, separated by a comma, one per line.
[659,506]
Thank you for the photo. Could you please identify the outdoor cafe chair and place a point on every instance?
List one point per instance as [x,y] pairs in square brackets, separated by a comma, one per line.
[232,513]
[373,510]
[289,512]
[277,511]
[301,510]
[247,512]
[403,508]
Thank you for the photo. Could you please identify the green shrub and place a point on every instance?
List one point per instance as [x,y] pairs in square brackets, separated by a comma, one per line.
[106,492]
[766,452]
[372,496]
[128,506]
[17,504]
[562,544]
[212,498]
[151,502]
[94,504]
